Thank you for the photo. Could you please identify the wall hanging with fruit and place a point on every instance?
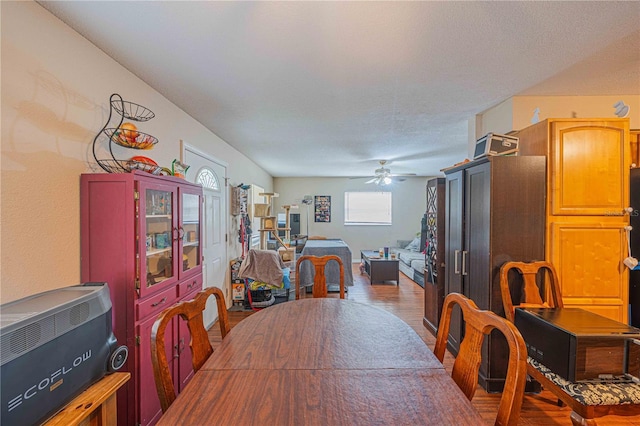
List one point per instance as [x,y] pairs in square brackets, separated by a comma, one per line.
[127,135]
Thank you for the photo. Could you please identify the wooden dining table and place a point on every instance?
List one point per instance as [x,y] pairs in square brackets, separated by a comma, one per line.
[321,362]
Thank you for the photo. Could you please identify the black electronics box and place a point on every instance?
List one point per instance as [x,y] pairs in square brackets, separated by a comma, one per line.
[494,144]
[53,346]
[579,345]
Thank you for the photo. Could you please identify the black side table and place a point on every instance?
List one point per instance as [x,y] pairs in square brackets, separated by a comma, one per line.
[380,269]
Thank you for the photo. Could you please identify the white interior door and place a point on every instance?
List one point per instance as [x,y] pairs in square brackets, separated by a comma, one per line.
[211,174]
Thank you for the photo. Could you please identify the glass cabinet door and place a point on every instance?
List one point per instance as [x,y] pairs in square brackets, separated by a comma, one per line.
[159,233]
[190,231]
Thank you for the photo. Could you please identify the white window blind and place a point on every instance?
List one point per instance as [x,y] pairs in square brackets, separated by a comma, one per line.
[367,208]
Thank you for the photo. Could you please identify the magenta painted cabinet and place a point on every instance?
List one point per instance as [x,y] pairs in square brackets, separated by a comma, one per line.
[141,234]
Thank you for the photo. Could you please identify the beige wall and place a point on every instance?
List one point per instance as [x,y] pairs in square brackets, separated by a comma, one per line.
[55,91]
[570,106]
[498,119]
[409,205]
[516,113]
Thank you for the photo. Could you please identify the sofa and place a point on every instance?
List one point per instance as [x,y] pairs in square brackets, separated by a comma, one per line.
[411,259]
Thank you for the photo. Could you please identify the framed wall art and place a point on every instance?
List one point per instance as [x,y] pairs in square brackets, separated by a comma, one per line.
[322,208]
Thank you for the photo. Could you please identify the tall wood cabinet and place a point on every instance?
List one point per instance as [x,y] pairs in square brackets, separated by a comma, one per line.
[494,214]
[434,260]
[634,144]
[141,234]
[587,196]
[634,236]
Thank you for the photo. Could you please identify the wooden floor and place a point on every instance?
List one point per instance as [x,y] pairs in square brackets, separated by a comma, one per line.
[406,302]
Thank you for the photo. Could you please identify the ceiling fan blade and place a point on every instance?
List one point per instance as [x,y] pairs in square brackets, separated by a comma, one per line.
[372,180]
[403,174]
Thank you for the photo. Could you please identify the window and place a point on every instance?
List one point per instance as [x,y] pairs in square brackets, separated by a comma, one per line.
[367,208]
[208,179]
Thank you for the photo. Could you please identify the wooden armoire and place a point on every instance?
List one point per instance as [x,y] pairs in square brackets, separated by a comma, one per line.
[494,213]
[586,208]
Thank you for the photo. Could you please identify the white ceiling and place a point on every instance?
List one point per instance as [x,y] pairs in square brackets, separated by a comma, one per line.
[329,88]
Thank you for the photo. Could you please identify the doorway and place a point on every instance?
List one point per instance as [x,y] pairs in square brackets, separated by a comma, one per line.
[212,175]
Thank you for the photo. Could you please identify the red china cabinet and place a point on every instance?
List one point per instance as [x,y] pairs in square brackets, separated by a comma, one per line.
[141,234]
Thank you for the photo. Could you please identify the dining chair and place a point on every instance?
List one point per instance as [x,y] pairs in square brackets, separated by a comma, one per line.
[190,311]
[466,366]
[319,279]
[587,400]
[530,294]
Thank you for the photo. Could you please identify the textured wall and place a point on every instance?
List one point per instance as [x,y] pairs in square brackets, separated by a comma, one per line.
[55,92]
[409,204]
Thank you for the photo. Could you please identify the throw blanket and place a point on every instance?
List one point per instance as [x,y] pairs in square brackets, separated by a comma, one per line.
[263,265]
[323,248]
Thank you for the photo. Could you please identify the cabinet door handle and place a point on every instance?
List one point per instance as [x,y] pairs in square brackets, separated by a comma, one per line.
[175,234]
[160,302]
[455,262]
[181,232]
[464,262]
[192,285]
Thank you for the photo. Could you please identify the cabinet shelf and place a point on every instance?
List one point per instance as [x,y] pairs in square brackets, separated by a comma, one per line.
[158,216]
[153,252]
[191,244]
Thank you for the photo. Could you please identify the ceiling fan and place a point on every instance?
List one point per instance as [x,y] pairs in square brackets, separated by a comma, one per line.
[383,176]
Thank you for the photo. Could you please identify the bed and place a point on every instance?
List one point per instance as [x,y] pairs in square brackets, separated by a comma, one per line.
[323,248]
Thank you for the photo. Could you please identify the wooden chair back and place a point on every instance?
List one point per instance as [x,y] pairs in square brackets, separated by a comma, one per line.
[316,237]
[531,294]
[190,311]
[319,279]
[466,366]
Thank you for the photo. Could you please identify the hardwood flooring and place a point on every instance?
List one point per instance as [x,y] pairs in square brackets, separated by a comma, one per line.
[406,301]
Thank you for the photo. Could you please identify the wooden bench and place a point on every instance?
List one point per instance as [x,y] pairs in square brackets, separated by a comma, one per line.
[94,406]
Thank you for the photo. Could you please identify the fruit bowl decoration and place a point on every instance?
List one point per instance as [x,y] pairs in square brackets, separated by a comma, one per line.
[128,136]
[145,164]
[130,110]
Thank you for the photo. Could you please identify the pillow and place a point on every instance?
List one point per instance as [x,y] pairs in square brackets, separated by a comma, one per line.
[414,245]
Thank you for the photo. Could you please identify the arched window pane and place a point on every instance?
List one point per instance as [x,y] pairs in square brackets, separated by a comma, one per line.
[208,179]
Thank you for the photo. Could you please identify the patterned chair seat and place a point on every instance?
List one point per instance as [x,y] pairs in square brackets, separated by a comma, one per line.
[616,391]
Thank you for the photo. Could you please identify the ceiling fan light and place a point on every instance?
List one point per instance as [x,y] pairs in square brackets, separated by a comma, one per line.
[386,180]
